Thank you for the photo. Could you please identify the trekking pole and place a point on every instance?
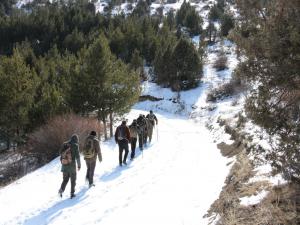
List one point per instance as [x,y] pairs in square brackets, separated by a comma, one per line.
[157,132]
[143,146]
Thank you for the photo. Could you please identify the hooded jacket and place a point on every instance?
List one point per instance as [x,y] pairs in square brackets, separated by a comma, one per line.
[97,148]
[71,168]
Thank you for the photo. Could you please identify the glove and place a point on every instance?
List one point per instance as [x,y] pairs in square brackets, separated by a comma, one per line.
[100,158]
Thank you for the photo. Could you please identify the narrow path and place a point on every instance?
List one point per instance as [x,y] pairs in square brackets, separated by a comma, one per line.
[173,182]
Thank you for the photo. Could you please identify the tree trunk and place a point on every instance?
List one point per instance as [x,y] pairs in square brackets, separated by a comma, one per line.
[111,124]
[7,139]
[102,117]
[105,128]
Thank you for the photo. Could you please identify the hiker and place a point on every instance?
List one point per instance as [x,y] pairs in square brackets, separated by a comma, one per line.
[90,152]
[152,121]
[69,153]
[145,130]
[122,137]
[141,122]
[134,130]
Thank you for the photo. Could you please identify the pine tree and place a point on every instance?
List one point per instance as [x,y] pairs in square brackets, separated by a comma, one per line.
[227,23]
[188,67]
[268,37]
[17,89]
[136,63]
[164,67]
[103,84]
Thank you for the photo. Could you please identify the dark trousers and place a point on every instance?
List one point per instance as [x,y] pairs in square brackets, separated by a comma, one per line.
[141,141]
[145,137]
[123,146]
[90,165]
[66,177]
[133,145]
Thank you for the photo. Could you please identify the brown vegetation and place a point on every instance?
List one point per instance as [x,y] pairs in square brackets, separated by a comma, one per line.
[47,140]
[228,89]
[281,206]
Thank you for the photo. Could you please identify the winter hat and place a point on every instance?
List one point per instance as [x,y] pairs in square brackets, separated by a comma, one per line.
[124,122]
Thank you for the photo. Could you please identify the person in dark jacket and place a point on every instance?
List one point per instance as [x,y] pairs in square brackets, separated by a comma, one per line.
[152,121]
[142,124]
[122,137]
[69,170]
[90,156]
[134,130]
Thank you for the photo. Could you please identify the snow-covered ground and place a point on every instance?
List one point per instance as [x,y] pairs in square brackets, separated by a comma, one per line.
[174,181]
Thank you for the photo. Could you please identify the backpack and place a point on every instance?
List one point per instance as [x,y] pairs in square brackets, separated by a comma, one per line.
[88,149]
[66,154]
[141,121]
[151,119]
[121,133]
[133,130]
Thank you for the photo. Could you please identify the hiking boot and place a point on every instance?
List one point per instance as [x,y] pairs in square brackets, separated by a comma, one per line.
[124,163]
[120,164]
[72,196]
[91,185]
[60,193]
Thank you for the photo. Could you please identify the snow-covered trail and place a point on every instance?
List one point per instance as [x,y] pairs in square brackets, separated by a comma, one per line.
[174,181]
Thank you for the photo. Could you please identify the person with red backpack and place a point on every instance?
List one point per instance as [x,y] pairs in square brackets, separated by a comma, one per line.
[69,156]
[122,138]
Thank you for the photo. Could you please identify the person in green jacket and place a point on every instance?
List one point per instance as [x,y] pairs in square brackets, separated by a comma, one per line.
[69,170]
[90,151]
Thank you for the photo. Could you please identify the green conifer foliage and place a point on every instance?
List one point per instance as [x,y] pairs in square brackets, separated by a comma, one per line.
[17,89]
[268,36]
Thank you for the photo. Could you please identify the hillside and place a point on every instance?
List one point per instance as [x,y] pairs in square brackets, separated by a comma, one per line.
[221,76]
[173,181]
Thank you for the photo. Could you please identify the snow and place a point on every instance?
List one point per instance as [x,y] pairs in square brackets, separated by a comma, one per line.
[23,2]
[176,178]
[253,199]
[174,181]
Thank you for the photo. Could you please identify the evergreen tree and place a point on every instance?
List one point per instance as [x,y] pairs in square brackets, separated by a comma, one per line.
[103,83]
[188,17]
[227,23]
[6,7]
[136,61]
[188,67]
[267,36]
[17,88]
[164,67]
[211,32]
[142,9]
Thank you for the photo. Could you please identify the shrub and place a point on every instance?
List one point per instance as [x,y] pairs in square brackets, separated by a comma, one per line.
[47,140]
[221,62]
[224,90]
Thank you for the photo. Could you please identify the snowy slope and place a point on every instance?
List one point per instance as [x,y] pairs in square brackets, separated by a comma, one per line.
[174,182]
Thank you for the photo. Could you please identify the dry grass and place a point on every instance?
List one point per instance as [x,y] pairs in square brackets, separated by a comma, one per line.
[280,207]
[230,150]
[224,91]
[47,140]
[254,188]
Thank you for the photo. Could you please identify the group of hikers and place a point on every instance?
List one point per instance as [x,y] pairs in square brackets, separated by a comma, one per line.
[141,130]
